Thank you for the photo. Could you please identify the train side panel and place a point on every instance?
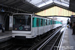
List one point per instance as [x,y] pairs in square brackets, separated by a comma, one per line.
[38,26]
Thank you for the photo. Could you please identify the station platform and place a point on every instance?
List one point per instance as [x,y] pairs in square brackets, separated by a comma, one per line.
[5,36]
[67,40]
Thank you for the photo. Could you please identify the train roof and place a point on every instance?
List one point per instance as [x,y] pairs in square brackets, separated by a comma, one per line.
[21,13]
[44,17]
[32,15]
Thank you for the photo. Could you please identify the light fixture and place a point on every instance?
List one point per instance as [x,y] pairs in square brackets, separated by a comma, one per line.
[45,3]
[61,3]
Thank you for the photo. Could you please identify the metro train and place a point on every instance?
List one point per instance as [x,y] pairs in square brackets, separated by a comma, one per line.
[31,26]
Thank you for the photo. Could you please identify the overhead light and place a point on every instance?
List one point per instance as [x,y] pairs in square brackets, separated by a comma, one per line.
[65,1]
[42,3]
[45,3]
[60,3]
[34,2]
[2,10]
[49,2]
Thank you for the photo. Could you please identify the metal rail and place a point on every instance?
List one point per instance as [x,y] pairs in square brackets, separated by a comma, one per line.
[54,38]
[44,42]
[37,46]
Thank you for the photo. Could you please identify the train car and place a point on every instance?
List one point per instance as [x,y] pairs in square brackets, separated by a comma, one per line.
[30,26]
[56,24]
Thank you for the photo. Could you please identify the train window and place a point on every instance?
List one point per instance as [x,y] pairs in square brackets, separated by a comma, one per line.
[22,22]
[46,22]
[41,22]
[13,20]
[29,21]
[33,22]
[49,22]
[53,22]
[22,19]
[19,21]
[37,22]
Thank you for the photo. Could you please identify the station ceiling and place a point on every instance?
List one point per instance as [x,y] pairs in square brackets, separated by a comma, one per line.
[33,6]
[56,11]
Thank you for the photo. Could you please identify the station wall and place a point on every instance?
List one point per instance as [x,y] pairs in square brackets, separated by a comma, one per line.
[2,21]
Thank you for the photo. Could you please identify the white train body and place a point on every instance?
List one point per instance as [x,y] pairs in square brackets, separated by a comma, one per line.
[30,26]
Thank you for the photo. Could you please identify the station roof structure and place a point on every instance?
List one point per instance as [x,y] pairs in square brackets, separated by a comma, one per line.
[56,11]
[33,6]
[42,3]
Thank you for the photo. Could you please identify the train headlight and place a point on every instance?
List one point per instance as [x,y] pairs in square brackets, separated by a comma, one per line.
[26,26]
[26,29]
[15,28]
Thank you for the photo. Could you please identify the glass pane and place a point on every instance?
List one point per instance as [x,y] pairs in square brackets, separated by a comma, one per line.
[37,22]
[22,22]
[22,19]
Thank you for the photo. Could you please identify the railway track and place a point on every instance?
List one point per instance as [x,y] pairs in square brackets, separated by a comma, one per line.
[50,44]
[48,40]
[46,43]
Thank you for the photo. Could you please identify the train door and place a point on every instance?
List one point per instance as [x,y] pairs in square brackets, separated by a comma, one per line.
[7,23]
[10,22]
[37,24]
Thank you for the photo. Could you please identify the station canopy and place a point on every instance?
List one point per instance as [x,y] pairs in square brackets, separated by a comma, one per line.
[41,3]
[34,6]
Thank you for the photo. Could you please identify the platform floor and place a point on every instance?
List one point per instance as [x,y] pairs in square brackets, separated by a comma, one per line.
[68,40]
[5,36]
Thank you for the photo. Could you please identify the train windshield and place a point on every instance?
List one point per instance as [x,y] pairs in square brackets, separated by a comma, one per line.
[23,21]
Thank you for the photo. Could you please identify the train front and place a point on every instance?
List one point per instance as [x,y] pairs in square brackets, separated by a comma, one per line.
[21,26]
